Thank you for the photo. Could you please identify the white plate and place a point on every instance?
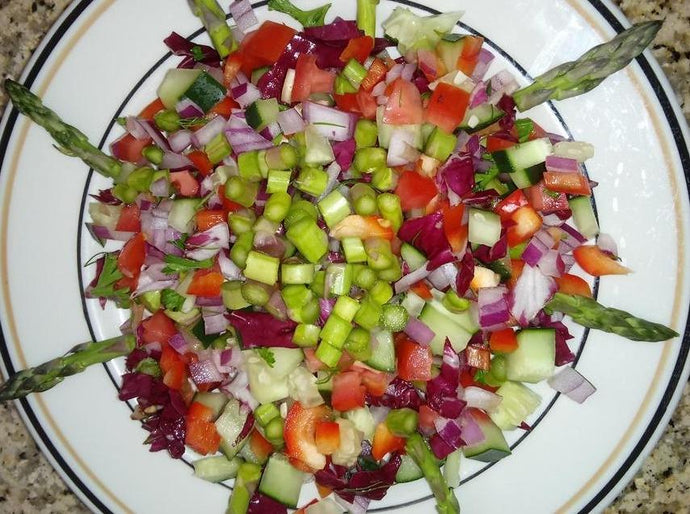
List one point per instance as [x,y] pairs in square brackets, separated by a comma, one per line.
[104,58]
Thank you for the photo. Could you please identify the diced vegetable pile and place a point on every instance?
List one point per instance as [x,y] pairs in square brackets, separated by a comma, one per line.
[344,256]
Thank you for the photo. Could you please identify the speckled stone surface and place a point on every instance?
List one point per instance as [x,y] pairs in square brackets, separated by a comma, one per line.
[28,483]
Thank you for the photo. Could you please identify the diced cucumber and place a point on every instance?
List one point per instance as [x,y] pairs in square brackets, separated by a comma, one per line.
[270,383]
[382,351]
[174,85]
[449,50]
[229,426]
[456,327]
[484,227]
[281,481]
[413,257]
[262,113]
[216,468]
[480,117]
[182,213]
[583,216]
[205,91]
[534,358]
[524,162]
[494,446]
[385,130]
[213,400]
[408,470]
[413,303]
[247,454]
[518,403]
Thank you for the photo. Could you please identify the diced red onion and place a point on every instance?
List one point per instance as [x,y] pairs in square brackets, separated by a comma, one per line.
[484,60]
[571,383]
[379,89]
[419,331]
[208,301]
[178,343]
[394,72]
[243,138]
[480,398]
[135,127]
[228,268]
[331,123]
[471,431]
[573,233]
[180,140]
[444,276]
[408,280]
[561,164]
[503,83]
[156,134]
[478,95]
[493,306]
[552,264]
[291,122]
[551,220]
[205,134]
[269,243]
[101,232]
[271,131]
[568,261]
[175,161]
[204,372]
[408,71]
[243,14]
[401,149]
[607,243]
[186,108]
[531,292]
[152,278]
[215,321]
[537,247]
[245,94]
[450,432]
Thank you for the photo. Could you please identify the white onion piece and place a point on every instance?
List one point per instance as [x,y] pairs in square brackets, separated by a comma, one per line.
[408,71]
[408,280]
[243,14]
[394,72]
[419,331]
[331,123]
[228,268]
[559,164]
[481,398]
[607,243]
[180,140]
[401,149]
[571,383]
[291,122]
[175,161]
[531,292]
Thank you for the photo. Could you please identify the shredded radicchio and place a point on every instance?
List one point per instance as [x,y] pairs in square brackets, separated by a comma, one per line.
[192,52]
[369,483]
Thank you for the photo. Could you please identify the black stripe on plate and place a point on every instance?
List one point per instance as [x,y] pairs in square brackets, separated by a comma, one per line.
[31,76]
[673,384]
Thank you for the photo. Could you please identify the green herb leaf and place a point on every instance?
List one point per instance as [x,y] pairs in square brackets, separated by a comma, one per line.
[524,128]
[267,355]
[105,285]
[172,300]
[197,53]
[180,264]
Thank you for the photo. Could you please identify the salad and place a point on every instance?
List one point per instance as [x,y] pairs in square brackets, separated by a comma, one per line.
[344,255]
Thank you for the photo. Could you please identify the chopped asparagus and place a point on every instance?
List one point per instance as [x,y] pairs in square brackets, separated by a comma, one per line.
[577,77]
[71,141]
[51,373]
[417,449]
[366,16]
[312,18]
[212,16]
[589,313]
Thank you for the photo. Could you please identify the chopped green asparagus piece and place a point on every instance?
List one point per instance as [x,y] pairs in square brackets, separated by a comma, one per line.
[366,16]
[589,313]
[312,18]
[577,77]
[417,449]
[70,140]
[51,373]
[212,16]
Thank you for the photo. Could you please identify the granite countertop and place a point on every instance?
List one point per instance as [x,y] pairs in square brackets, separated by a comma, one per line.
[29,484]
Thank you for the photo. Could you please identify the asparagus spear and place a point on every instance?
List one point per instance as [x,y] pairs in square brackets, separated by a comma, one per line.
[71,141]
[312,18]
[577,77]
[51,373]
[589,313]
[417,449]
[366,16]
[212,16]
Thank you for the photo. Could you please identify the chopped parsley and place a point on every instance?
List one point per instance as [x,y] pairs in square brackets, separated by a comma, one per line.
[177,264]
[105,286]
[172,300]
[267,355]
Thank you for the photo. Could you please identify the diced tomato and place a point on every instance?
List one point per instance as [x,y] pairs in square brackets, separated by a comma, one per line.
[375,381]
[404,106]
[358,48]
[478,356]
[494,143]
[128,148]
[572,284]
[228,205]
[363,227]
[375,74]
[148,112]
[471,45]
[224,107]
[526,223]
[130,218]
[264,46]
[206,283]
[259,445]
[572,183]
[545,200]
[202,436]
[207,218]
[232,65]
[414,360]
[503,341]
[453,226]
[422,290]
[309,78]
[511,203]
[299,434]
[348,391]
[132,256]
[447,106]
[327,436]
[361,103]
[516,266]
[385,442]
[427,417]
[596,262]
[173,368]
[184,182]
[157,329]
[414,190]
